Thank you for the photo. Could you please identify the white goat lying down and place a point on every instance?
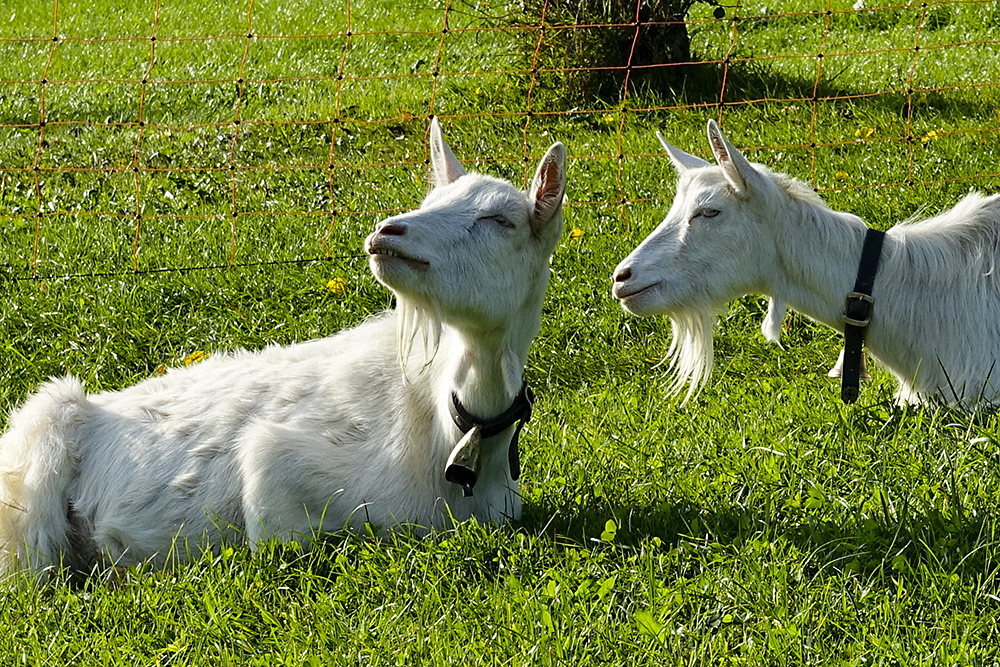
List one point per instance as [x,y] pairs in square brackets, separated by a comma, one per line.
[738,228]
[318,435]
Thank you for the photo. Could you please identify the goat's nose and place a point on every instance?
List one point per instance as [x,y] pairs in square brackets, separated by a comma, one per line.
[390,228]
[622,275]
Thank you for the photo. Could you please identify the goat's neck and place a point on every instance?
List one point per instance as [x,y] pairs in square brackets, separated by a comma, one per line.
[485,374]
[818,252]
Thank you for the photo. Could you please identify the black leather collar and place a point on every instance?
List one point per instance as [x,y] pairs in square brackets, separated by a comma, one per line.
[858,307]
[519,412]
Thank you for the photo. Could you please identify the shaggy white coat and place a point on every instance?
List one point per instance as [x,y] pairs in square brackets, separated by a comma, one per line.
[315,436]
[737,228]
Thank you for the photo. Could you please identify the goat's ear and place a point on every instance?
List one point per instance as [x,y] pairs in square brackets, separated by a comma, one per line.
[548,187]
[446,166]
[737,169]
[682,161]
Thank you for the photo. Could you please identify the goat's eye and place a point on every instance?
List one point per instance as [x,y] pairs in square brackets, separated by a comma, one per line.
[496,220]
[707,213]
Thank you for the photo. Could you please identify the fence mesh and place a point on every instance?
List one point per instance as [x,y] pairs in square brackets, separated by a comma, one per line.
[226,131]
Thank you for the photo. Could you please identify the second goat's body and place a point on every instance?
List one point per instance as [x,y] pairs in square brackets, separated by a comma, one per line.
[739,228]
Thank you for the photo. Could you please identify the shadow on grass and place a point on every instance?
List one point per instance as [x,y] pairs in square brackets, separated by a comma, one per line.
[704,83]
[901,545]
[961,541]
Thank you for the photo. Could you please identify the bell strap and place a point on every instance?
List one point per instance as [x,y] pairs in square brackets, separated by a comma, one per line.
[519,412]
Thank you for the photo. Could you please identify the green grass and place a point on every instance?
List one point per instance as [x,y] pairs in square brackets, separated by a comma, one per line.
[764,523]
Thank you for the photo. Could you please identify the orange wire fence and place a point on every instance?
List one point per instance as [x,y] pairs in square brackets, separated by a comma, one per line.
[32,102]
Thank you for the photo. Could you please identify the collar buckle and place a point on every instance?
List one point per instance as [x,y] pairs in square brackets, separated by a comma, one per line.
[858,308]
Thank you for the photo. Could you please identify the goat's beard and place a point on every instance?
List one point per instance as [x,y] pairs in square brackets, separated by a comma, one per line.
[417,319]
[691,352]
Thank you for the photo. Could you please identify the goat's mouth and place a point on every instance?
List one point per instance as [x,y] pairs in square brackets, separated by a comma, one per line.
[382,254]
[625,291]
[636,299]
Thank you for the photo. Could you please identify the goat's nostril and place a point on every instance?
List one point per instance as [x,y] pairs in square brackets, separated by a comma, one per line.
[390,228]
[621,275]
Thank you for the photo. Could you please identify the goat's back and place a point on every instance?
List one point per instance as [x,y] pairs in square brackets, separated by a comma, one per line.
[240,442]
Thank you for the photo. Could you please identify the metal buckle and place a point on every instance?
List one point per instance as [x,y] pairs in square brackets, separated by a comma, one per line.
[858,298]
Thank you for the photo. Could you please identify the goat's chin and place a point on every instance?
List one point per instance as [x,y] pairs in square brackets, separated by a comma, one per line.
[690,357]
[396,273]
[638,308]
[664,296]
[646,302]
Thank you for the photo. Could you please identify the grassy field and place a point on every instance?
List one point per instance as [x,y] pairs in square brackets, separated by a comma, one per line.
[763,523]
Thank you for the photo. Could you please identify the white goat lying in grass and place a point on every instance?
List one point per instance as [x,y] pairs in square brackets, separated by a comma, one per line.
[333,432]
[738,228]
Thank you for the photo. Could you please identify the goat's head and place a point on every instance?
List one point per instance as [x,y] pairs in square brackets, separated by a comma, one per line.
[476,252]
[713,246]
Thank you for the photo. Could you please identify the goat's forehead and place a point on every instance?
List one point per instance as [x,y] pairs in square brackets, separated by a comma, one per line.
[705,178]
[699,185]
[478,192]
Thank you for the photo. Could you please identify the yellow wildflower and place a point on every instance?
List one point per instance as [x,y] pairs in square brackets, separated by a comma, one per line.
[930,136]
[864,132]
[841,176]
[575,234]
[195,357]
[336,286]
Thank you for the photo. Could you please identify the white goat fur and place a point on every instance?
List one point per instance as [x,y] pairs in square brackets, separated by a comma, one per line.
[320,435]
[737,228]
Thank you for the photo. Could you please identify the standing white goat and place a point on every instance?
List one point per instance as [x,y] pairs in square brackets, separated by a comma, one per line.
[319,435]
[738,228]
